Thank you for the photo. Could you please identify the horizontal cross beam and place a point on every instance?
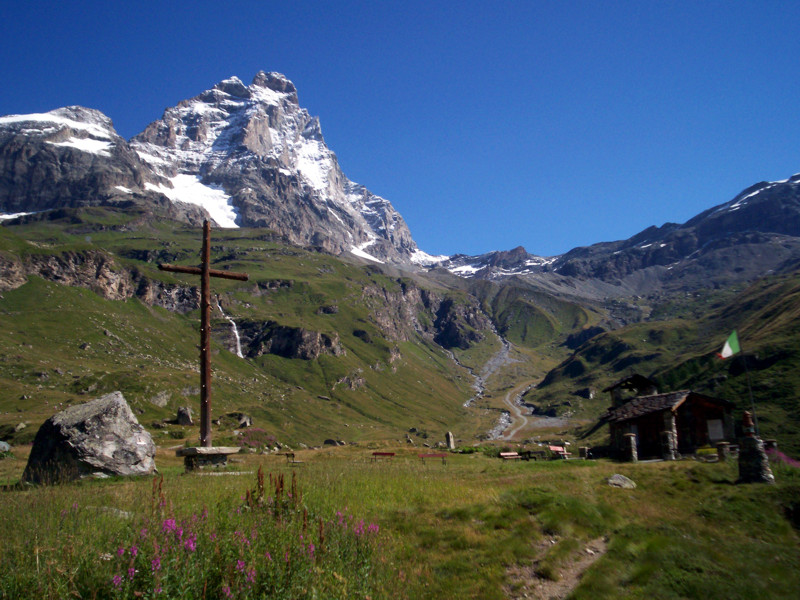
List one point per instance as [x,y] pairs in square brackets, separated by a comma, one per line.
[199,271]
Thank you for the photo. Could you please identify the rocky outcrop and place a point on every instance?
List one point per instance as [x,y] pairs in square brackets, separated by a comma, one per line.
[98,272]
[98,438]
[409,310]
[259,338]
[458,325]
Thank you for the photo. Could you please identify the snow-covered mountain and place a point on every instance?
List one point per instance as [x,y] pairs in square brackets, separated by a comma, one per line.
[255,158]
[246,155]
[755,233]
[250,155]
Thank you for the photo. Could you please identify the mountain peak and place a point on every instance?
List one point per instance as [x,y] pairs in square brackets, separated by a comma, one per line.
[234,87]
[77,118]
[274,81]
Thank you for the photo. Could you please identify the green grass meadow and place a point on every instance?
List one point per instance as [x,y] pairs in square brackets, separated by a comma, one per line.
[341,526]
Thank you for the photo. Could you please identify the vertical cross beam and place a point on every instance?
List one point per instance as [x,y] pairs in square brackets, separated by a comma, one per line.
[206,273]
[205,339]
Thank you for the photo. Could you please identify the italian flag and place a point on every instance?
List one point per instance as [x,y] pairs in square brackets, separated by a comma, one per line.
[731,346]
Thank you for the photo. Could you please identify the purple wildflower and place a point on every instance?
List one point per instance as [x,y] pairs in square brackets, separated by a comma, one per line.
[155,564]
[117,581]
[168,525]
[131,573]
[121,551]
[240,566]
[134,551]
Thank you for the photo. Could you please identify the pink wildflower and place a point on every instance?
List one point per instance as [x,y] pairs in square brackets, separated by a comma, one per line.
[121,551]
[240,566]
[134,551]
[168,525]
[117,581]
[155,564]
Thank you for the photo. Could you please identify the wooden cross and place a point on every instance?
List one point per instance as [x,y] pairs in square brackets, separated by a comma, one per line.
[205,273]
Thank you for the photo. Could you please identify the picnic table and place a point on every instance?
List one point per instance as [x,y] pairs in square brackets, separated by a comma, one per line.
[376,456]
[440,455]
[559,452]
[510,456]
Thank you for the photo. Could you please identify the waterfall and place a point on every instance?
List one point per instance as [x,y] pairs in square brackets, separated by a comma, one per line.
[234,328]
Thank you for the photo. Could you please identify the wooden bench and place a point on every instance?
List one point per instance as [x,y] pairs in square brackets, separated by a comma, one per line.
[510,456]
[290,459]
[559,452]
[442,456]
[381,455]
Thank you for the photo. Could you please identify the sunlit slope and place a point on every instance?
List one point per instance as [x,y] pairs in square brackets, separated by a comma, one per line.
[65,343]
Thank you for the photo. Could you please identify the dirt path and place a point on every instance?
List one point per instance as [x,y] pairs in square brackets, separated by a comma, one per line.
[527,582]
[520,420]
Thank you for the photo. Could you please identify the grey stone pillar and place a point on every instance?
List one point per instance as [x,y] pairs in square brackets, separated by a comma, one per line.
[753,461]
[669,437]
[630,453]
[451,441]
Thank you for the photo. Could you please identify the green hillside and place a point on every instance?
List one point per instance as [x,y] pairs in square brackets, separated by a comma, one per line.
[62,344]
[680,353]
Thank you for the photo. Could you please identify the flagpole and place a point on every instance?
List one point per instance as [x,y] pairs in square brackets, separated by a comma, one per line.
[749,387]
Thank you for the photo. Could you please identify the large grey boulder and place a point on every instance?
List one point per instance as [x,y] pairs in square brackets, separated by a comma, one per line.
[100,437]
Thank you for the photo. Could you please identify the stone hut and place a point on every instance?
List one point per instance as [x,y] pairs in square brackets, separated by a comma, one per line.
[671,424]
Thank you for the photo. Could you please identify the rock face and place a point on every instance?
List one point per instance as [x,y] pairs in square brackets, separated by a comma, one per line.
[756,232]
[266,154]
[269,337]
[72,157]
[100,437]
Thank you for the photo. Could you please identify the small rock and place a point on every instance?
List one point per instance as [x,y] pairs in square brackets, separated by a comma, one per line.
[184,416]
[621,481]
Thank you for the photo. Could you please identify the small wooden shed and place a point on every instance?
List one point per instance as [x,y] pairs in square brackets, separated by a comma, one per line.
[671,424]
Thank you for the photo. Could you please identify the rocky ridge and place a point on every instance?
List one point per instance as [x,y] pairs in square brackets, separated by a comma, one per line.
[269,157]
[755,233]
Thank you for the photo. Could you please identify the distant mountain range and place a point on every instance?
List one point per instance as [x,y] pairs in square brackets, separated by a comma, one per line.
[249,155]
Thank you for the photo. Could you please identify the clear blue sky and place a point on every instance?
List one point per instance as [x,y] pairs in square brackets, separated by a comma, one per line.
[487,124]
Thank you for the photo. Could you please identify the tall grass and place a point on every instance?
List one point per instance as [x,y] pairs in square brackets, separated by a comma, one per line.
[340,526]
